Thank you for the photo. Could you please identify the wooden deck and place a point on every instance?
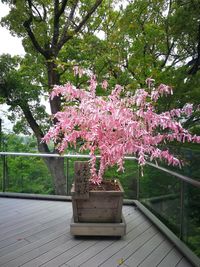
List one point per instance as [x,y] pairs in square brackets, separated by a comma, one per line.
[36,233]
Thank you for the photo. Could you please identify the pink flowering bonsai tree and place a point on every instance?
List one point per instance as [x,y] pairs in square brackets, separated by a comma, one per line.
[117,125]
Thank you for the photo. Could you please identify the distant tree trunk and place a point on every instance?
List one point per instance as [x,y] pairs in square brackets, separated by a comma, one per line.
[55,165]
[56,168]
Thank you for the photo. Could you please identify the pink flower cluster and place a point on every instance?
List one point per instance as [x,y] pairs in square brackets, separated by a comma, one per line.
[116,126]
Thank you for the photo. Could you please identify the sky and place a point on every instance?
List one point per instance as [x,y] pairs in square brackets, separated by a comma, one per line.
[11,45]
[8,43]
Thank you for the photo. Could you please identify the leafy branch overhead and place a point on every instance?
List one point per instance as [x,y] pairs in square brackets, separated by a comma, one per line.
[46,26]
[61,32]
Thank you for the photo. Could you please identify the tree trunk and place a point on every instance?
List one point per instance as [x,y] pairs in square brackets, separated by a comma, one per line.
[55,165]
[56,168]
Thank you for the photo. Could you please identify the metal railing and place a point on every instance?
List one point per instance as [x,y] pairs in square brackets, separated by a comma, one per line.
[174,198]
[67,157]
[81,156]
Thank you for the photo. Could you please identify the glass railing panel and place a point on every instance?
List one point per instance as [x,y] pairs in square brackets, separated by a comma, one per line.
[161,193]
[191,217]
[191,161]
[29,174]
[1,173]
[128,178]
[25,174]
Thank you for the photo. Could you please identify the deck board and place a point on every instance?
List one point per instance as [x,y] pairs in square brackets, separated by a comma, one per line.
[36,233]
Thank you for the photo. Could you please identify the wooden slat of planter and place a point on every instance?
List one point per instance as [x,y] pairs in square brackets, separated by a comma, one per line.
[98,215]
[81,179]
[101,206]
[98,202]
[75,209]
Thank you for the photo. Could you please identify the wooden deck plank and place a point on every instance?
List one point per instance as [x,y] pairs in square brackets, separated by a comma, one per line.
[34,230]
[114,248]
[158,254]
[37,252]
[107,247]
[90,252]
[31,246]
[63,252]
[36,233]
[183,263]
[144,251]
[126,251]
[171,259]
[59,255]
[19,213]
[44,217]
[13,247]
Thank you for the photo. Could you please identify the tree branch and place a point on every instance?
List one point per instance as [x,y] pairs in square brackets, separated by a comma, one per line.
[89,14]
[35,127]
[55,24]
[167,56]
[37,11]
[27,25]
[196,66]
[65,37]
[63,6]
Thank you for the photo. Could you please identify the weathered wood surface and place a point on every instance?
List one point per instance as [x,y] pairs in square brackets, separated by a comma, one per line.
[100,207]
[98,229]
[81,179]
[37,233]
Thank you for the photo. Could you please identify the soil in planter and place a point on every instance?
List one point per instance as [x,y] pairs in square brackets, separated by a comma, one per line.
[106,185]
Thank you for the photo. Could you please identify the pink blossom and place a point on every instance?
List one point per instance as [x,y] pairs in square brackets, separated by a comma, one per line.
[116,126]
[149,82]
[104,84]
[93,85]
[188,109]
[140,97]
[164,90]
[78,71]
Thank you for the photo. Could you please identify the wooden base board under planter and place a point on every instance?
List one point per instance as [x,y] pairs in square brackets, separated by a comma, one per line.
[98,229]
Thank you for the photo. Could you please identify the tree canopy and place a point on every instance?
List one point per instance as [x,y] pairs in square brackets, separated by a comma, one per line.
[123,43]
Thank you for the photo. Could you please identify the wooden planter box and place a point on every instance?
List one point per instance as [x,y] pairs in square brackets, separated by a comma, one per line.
[100,207]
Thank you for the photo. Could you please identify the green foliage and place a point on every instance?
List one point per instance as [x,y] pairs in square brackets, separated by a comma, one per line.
[24,174]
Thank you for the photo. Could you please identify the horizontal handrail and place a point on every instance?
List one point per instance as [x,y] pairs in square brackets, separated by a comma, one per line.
[52,155]
[45,155]
[71,156]
[178,175]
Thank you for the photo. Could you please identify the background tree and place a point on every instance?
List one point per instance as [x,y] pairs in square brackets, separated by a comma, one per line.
[46,27]
[150,39]
[142,39]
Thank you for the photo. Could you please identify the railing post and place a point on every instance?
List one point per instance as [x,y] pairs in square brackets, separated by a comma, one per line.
[67,176]
[138,183]
[4,174]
